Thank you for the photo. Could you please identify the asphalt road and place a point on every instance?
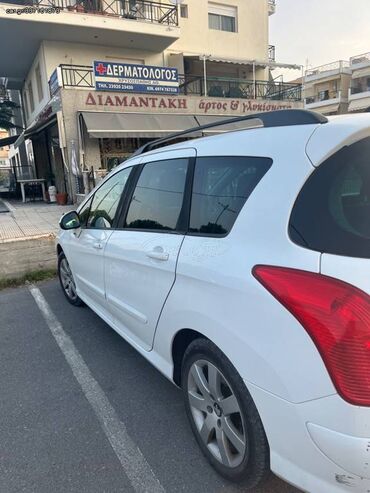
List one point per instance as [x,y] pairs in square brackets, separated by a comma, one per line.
[81,411]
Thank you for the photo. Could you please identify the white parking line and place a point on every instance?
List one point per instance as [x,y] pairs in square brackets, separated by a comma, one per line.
[132,460]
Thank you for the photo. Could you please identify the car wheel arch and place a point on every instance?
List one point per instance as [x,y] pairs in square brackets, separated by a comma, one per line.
[59,250]
[181,341]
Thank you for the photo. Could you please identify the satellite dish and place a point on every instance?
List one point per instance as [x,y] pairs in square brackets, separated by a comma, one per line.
[177,2]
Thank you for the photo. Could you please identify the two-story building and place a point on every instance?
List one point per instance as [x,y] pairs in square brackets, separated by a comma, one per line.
[60,54]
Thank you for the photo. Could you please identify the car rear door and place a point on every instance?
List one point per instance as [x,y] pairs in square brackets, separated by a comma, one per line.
[141,256]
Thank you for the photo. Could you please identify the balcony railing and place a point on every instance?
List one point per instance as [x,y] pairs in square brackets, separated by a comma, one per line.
[339,65]
[77,76]
[80,76]
[239,88]
[272,53]
[141,10]
[326,96]
[272,6]
[360,59]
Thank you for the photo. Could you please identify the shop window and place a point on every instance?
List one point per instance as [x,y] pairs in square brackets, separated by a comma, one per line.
[40,91]
[222,17]
[158,197]
[30,97]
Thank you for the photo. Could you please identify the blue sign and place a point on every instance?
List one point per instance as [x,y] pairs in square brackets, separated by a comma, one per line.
[125,77]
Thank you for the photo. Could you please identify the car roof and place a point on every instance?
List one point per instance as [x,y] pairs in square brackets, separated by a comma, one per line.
[340,131]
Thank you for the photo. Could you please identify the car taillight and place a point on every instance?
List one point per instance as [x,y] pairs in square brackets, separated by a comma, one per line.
[336,315]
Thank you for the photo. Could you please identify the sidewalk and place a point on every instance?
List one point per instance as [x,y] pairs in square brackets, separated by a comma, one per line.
[27,237]
[29,220]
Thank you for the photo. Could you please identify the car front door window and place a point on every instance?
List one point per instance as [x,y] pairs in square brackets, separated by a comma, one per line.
[106,199]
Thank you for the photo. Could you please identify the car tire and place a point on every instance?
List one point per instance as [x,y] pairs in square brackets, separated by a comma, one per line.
[214,420]
[67,282]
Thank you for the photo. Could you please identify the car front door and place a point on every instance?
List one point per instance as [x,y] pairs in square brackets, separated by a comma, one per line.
[141,256]
[87,244]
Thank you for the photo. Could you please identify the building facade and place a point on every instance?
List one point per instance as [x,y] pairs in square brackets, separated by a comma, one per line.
[219,52]
[339,87]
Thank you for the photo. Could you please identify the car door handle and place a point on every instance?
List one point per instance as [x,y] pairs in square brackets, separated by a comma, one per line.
[158,255]
[98,245]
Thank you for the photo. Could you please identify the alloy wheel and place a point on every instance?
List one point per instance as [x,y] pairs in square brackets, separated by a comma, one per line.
[216,413]
[67,280]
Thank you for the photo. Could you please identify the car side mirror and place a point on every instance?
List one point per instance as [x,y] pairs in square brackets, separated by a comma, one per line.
[70,220]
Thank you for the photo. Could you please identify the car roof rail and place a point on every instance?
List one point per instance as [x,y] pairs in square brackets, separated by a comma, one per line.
[278,118]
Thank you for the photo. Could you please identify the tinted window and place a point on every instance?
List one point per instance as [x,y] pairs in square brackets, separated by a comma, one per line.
[221,187]
[106,199]
[158,196]
[332,212]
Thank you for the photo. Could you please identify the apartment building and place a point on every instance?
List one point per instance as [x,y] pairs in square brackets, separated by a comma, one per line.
[326,88]
[359,94]
[100,77]
[339,87]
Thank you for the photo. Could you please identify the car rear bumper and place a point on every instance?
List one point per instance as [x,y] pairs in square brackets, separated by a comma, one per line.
[319,446]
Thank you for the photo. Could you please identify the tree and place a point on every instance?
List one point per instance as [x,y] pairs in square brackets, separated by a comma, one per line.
[7,114]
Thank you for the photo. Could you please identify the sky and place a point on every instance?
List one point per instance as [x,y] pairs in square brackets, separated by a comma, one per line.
[319,31]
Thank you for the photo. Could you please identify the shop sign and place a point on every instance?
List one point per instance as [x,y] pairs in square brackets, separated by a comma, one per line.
[192,105]
[54,83]
[125,77]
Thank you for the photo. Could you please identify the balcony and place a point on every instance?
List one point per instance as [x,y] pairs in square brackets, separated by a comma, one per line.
[139,25]
[360,61]
[359,92]
[140,10]
[81,77]
[328,70]
[325,98]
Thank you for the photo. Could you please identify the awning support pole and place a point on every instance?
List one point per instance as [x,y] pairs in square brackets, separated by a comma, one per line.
[303,83]
[254,81]
[205,75]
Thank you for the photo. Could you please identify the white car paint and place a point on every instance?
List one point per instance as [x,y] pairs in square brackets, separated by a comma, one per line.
[318,442]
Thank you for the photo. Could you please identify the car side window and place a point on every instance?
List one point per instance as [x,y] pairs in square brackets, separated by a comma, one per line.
[331,213]
[221,187]
[158,197]
[83,213]
[106,199]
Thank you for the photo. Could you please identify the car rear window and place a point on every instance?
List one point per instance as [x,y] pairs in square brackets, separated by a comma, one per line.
[332,212]
[221,187]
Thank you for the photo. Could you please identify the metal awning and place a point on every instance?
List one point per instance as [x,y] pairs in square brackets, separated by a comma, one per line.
[327,109]
[126,125]
[359,104]
[34,129]
[39,127]
[257,63]
[7,141]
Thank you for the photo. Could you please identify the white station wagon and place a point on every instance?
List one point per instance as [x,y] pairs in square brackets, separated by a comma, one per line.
[238,265]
